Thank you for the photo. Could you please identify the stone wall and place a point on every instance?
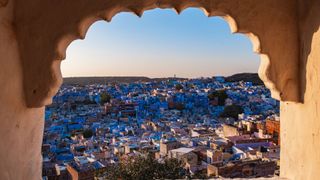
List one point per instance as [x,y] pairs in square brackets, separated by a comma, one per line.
[300,122]
[21,128]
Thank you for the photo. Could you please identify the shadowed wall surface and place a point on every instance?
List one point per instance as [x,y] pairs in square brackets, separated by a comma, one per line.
[300,122]
[21,128]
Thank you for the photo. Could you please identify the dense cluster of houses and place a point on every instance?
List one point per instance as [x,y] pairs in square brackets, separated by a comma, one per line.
[91,127]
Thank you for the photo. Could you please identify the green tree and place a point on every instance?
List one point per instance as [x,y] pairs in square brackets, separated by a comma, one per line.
[200,175]
[221,95]
[179,87]
[179,106]
[88,101]
[87,133]
[191,86]
[172,169]
[105,98]
[232,111]
[146,168]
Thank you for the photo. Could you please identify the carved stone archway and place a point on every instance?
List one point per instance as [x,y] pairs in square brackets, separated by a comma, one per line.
[45,33]
[34,35]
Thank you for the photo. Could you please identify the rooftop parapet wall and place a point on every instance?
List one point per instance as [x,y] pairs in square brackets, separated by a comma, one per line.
[45,28]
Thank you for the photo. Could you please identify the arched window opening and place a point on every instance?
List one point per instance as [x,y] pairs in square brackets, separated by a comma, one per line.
[169,102]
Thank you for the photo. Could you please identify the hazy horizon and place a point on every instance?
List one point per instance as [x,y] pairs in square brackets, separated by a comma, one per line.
[160,44]
[92,76]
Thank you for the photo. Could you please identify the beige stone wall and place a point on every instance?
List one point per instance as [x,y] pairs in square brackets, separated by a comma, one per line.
[21,128]
[300,122]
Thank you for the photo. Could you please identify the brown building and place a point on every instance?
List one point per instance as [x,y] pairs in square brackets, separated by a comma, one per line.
[51,171]
[242,169]
[85,171]
[80,173]
[166,146]
[273,128]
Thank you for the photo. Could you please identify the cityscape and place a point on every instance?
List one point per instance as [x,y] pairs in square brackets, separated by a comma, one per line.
[162,128]
[109,122]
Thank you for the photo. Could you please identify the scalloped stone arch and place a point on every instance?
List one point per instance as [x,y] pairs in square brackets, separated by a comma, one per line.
[270,26]
[264,65]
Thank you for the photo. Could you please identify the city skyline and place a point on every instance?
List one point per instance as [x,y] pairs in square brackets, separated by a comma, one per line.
[161,44]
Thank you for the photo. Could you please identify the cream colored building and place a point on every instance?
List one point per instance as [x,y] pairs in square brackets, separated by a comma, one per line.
[216,156]
[229,130]
[184,154]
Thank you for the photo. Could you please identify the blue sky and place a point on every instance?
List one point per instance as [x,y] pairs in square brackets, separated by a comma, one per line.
[160,44]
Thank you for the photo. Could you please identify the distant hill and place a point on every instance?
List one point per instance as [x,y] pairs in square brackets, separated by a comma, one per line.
[247,77]
[102,80]
[111,79]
